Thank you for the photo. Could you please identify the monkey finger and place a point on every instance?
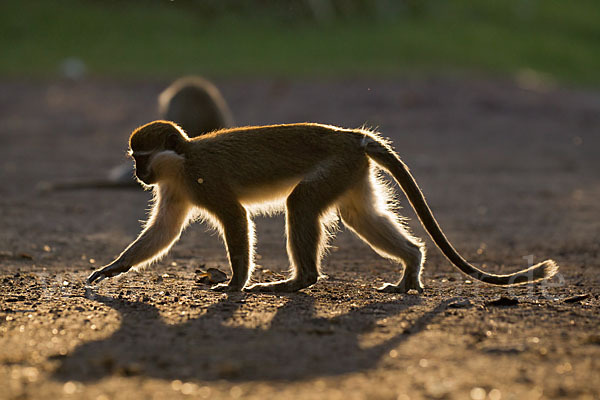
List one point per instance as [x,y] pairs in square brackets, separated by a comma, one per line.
[109,271]
[97,277]
[101,274]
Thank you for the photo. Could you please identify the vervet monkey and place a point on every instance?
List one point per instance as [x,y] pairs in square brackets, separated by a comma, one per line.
[311,171]
[194,103]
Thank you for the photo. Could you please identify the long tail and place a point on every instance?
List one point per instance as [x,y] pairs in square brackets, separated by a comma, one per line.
[383,155]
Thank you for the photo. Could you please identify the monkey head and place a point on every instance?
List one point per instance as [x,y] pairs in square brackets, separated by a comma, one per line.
[152,145]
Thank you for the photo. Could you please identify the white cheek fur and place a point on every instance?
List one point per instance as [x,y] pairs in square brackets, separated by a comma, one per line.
[166,164]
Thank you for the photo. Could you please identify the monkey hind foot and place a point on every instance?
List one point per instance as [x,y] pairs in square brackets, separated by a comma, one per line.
[226,287]
[289,285]
[402,287]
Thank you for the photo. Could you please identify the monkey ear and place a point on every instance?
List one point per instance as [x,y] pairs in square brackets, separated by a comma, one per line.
[173,141]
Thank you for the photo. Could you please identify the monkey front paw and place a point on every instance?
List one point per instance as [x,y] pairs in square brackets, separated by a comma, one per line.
[402,287]
[96,276]
[107,272]
[226,287]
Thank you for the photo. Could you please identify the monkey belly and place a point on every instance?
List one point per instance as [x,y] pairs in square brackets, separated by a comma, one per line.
[268,194]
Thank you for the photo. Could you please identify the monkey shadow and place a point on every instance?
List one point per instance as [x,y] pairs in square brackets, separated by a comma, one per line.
[227,342]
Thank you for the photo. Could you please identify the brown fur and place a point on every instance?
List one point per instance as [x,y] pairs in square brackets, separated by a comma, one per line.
[309,170]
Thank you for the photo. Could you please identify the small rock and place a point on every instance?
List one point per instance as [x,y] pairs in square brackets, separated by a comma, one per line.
[465,303]
[502,301]
[575,299]
[212,276]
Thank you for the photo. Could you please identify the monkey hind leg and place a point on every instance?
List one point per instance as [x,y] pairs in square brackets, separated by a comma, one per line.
[304,239]
[307,239]
[305,224]
[305,234]
[364,210]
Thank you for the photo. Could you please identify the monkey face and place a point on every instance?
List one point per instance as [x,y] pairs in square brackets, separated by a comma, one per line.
[153,147]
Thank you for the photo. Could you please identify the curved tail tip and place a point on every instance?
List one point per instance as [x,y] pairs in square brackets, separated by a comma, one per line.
[550,268]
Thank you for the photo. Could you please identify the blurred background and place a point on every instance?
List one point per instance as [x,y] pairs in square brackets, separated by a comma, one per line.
[504,88]
[493,104]
[534,41]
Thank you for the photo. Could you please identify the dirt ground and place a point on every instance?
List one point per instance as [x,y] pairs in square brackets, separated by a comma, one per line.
[512,173]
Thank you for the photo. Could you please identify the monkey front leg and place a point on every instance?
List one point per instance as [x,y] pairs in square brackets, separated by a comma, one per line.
[138,252]
[163,229]
[238,233]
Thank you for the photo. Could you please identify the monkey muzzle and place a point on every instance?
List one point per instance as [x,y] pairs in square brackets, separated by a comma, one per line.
[141,163]
[147,178]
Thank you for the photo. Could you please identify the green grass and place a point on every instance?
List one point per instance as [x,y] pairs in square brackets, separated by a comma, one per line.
[165,39]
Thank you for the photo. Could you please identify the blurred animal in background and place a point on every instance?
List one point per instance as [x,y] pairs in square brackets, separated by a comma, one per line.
[196,105]
[193,103]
